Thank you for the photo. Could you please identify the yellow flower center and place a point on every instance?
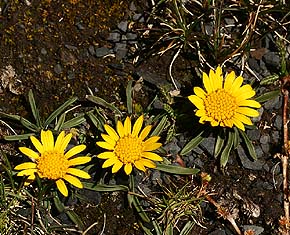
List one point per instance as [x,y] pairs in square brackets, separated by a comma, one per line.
[220,105]
[129,149]
[52,165]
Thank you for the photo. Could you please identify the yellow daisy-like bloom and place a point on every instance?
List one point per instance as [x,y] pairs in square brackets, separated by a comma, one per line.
[225,102]
[51,161]
[128,147]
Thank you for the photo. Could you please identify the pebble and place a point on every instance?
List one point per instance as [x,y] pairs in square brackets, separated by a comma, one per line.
[102,51]
[247,163]
[57,69]
[257,229]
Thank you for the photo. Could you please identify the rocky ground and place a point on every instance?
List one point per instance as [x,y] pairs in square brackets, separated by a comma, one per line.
[70,47]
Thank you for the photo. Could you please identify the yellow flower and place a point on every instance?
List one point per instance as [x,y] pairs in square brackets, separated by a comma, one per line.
[51,161]
[127,147]
[225,102]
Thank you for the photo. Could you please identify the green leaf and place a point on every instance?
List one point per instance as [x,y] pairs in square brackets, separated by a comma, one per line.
[226,152]
[129,97]
[187,228]
[157,228]
[29,125]
[35,111]
[96,121]
[102,102]
[139,209]
[219,143]
[193,143]
[17,137]
[59,110]
[268,96]
[160,127]
[105,187]
[75,219]
[74,121]
[178,170]
[270,80]
[60,122]
[249,145]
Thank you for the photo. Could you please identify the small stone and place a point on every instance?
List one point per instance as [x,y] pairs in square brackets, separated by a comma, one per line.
[247,163]
[265,139]
[257,119]
[43,51]
[70,74]
[257,229]
[208,145]
[114,37]
[132,7]
[218,232]
[265,147]
[92,50]
[254,134]
[121,53]
[80,26]
[272,58]
[278,122]
[136,17]
[273,103]
[131,36]
[102,51]
[57,69]
[275,135]
[123,26]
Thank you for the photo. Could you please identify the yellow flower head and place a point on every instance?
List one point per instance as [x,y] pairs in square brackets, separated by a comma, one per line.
[51,161]
[127,147]
[225,102]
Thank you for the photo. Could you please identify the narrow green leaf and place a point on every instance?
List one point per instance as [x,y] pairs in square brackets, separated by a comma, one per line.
[34,109]
[187,228]
[139,209]
[145,229]
[129,97]
[75,219]
[268,96]
[105,187]
[236,138]
[60,122]
[102,102]
[157,228]
[249,145]
[160,127]
[219,143]
[178,170]
[193,143]
[58,204]
[96,121]
[10,116]
[270,80]
[59,110]
[29,125]
[226,152]
[74,121]
[18,137]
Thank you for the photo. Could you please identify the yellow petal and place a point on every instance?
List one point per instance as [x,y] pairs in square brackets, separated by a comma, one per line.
[248,111]
[229,80]
[105,145]
[29,180]
[25,165]
[219,78]
[152,147]
[127,126]
[148,163]
[79,173]
[213,80]
[73,180]
[139,165]
[75,150]
[47,140]
[137,126]
[199,92]
[59,140]
[206,83]
[198,102]
[200,113]
[108,139]
[109,162]
[238,124]
[145,132]
[243,118]
[111,132]
[128,168]
[29,152]
[228,123]
[250,103]
[236,85]
[65,142]
[37,144]
[27,172]
[152,156]
[79,161]
[106,155]
[245,94]
[62,187]
[117,166]
[120,129]
[151,140]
